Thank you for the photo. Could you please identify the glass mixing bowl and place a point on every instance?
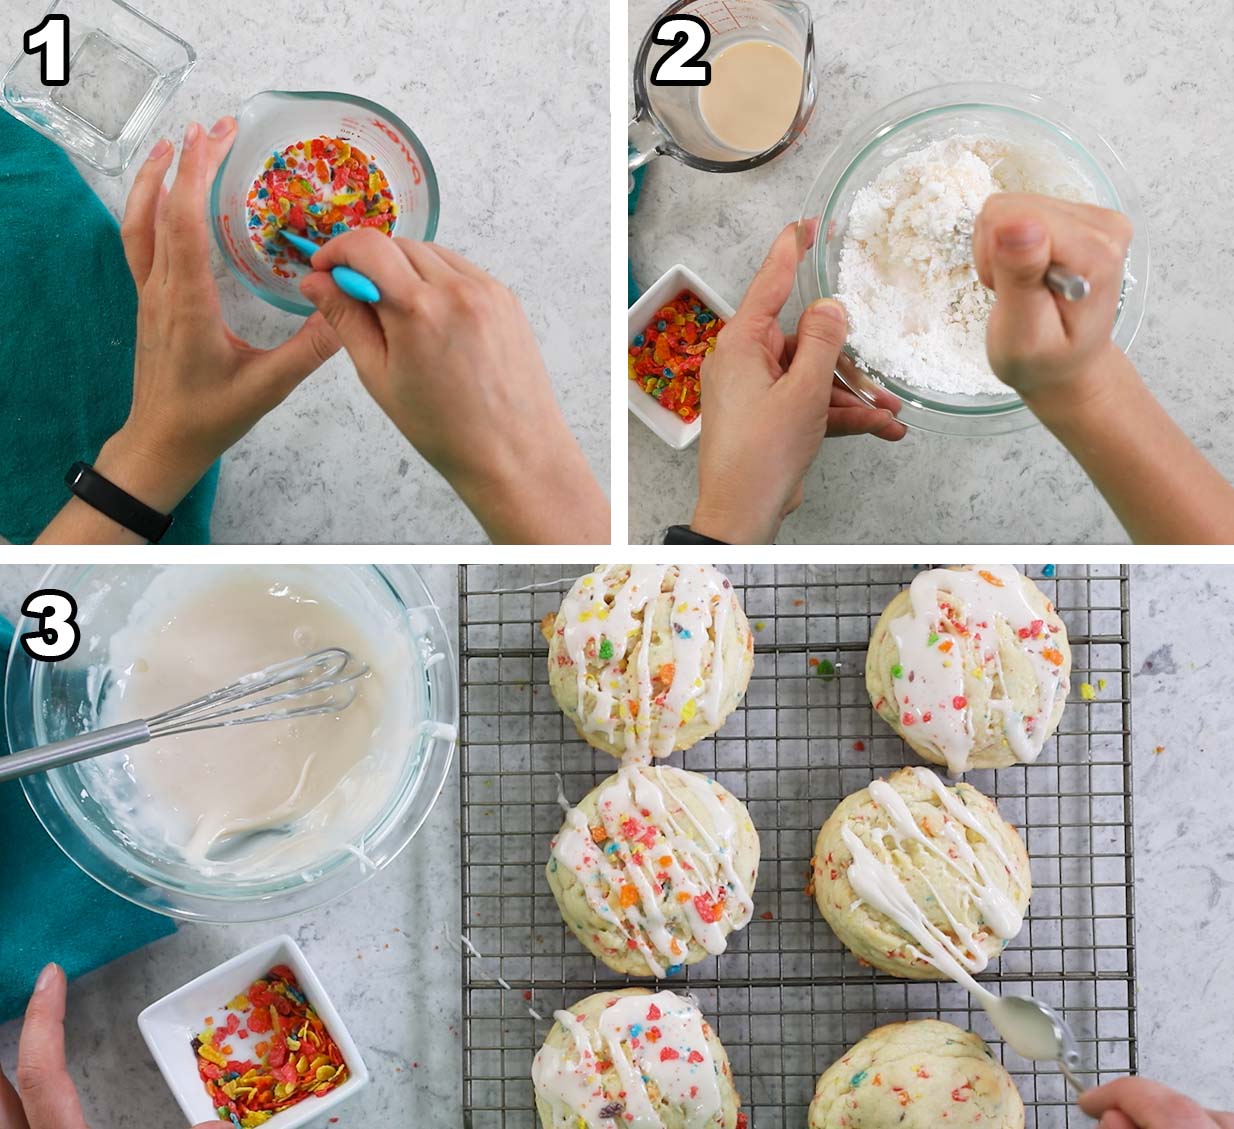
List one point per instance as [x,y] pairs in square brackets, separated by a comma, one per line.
[986,109]
[269,122]
[48,702]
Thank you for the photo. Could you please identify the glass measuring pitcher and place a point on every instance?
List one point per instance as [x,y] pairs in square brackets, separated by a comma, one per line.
[668,119]
[273,119]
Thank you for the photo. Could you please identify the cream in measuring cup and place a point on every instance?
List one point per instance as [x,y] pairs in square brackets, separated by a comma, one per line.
[754,94]
[760,89]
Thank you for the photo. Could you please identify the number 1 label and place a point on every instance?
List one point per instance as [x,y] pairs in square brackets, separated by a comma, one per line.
[50,41]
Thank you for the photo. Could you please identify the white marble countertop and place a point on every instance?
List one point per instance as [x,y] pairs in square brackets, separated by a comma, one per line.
[511,102]
[1152,79]
[383,952]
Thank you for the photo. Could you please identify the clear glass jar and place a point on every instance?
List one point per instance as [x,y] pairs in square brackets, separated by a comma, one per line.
[123,70]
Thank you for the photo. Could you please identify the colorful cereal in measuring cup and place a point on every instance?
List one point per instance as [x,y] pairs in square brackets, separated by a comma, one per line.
[292,1055]
[666,359]
[318,188]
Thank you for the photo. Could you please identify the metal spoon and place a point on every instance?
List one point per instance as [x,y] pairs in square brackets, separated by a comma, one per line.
[1072,287]
[1036,1031]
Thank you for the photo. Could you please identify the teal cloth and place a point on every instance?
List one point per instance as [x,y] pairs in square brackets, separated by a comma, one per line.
[50,910]
[635,191]
[66,337]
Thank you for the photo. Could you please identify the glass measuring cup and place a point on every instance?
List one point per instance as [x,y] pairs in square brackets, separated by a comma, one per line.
[274,119]
[667,119]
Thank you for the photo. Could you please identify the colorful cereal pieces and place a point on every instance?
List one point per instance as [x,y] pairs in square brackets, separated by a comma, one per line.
[293,1058]
[666,359]
[318,188]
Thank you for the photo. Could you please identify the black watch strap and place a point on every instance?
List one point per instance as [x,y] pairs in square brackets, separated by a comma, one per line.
[106,497]
[684,535]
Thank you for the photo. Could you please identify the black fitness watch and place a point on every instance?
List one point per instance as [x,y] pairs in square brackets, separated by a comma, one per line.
[684,535]
[106,497]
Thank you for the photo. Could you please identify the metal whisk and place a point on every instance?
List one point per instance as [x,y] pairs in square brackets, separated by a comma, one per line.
[321,683]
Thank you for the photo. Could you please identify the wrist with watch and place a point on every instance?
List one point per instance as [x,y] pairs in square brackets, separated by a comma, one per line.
[684,535]
[112,502]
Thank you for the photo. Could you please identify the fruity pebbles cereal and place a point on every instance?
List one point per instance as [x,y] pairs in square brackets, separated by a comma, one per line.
[319,189]
[667,357]
[293,1056]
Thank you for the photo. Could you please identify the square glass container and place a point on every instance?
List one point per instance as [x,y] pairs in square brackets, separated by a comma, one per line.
[123,70]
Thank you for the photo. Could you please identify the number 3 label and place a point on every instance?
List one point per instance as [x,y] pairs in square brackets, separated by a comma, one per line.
[50,41]
[58,633]
[690,37]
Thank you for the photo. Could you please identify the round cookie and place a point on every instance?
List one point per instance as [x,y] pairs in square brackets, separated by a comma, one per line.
[971,666]
[645,659]
[634,1057]
[654,868]
[918,1075]
[919,879]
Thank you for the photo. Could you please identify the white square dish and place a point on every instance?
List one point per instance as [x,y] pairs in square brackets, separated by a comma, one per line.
[170,1025]
[668,425]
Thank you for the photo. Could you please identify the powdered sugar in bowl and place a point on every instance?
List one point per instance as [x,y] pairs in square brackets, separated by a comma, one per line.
[961,128]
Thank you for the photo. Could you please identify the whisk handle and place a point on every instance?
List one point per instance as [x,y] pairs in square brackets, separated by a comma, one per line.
[83,747]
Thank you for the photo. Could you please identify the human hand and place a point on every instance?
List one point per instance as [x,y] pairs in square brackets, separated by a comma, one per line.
[769,400]
[449,356]
[45,1097]
[1137,1103]
[1052,352]
[197,387]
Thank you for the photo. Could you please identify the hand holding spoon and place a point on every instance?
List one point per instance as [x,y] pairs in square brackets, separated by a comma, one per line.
[1068,286]
[350,282]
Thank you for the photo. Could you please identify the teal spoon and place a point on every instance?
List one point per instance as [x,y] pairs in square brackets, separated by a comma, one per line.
[350,282]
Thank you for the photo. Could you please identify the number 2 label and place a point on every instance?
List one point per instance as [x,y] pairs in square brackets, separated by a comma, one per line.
[690,37]
[58,634]
[50,41]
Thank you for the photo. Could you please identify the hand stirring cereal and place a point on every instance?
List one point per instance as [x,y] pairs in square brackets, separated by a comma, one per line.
[318,189]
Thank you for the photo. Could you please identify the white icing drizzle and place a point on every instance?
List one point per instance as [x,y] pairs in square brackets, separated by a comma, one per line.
[878,884]
[642,832]
[702,601]
[876,881]
[650,1040]
[929,689]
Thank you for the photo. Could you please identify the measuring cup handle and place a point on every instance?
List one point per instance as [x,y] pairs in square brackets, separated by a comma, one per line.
[645,140]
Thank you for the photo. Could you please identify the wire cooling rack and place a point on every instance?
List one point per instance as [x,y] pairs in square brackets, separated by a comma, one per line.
[786,999]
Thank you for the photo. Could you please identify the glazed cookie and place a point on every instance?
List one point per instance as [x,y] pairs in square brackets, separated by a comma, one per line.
[632,1057]
[918,1075]
[971,667]
[654,869]
[645,659]
[921,880]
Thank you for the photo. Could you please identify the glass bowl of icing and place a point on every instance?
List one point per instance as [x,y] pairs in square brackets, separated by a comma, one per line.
[274,121]
[1043,135]
[253,822]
